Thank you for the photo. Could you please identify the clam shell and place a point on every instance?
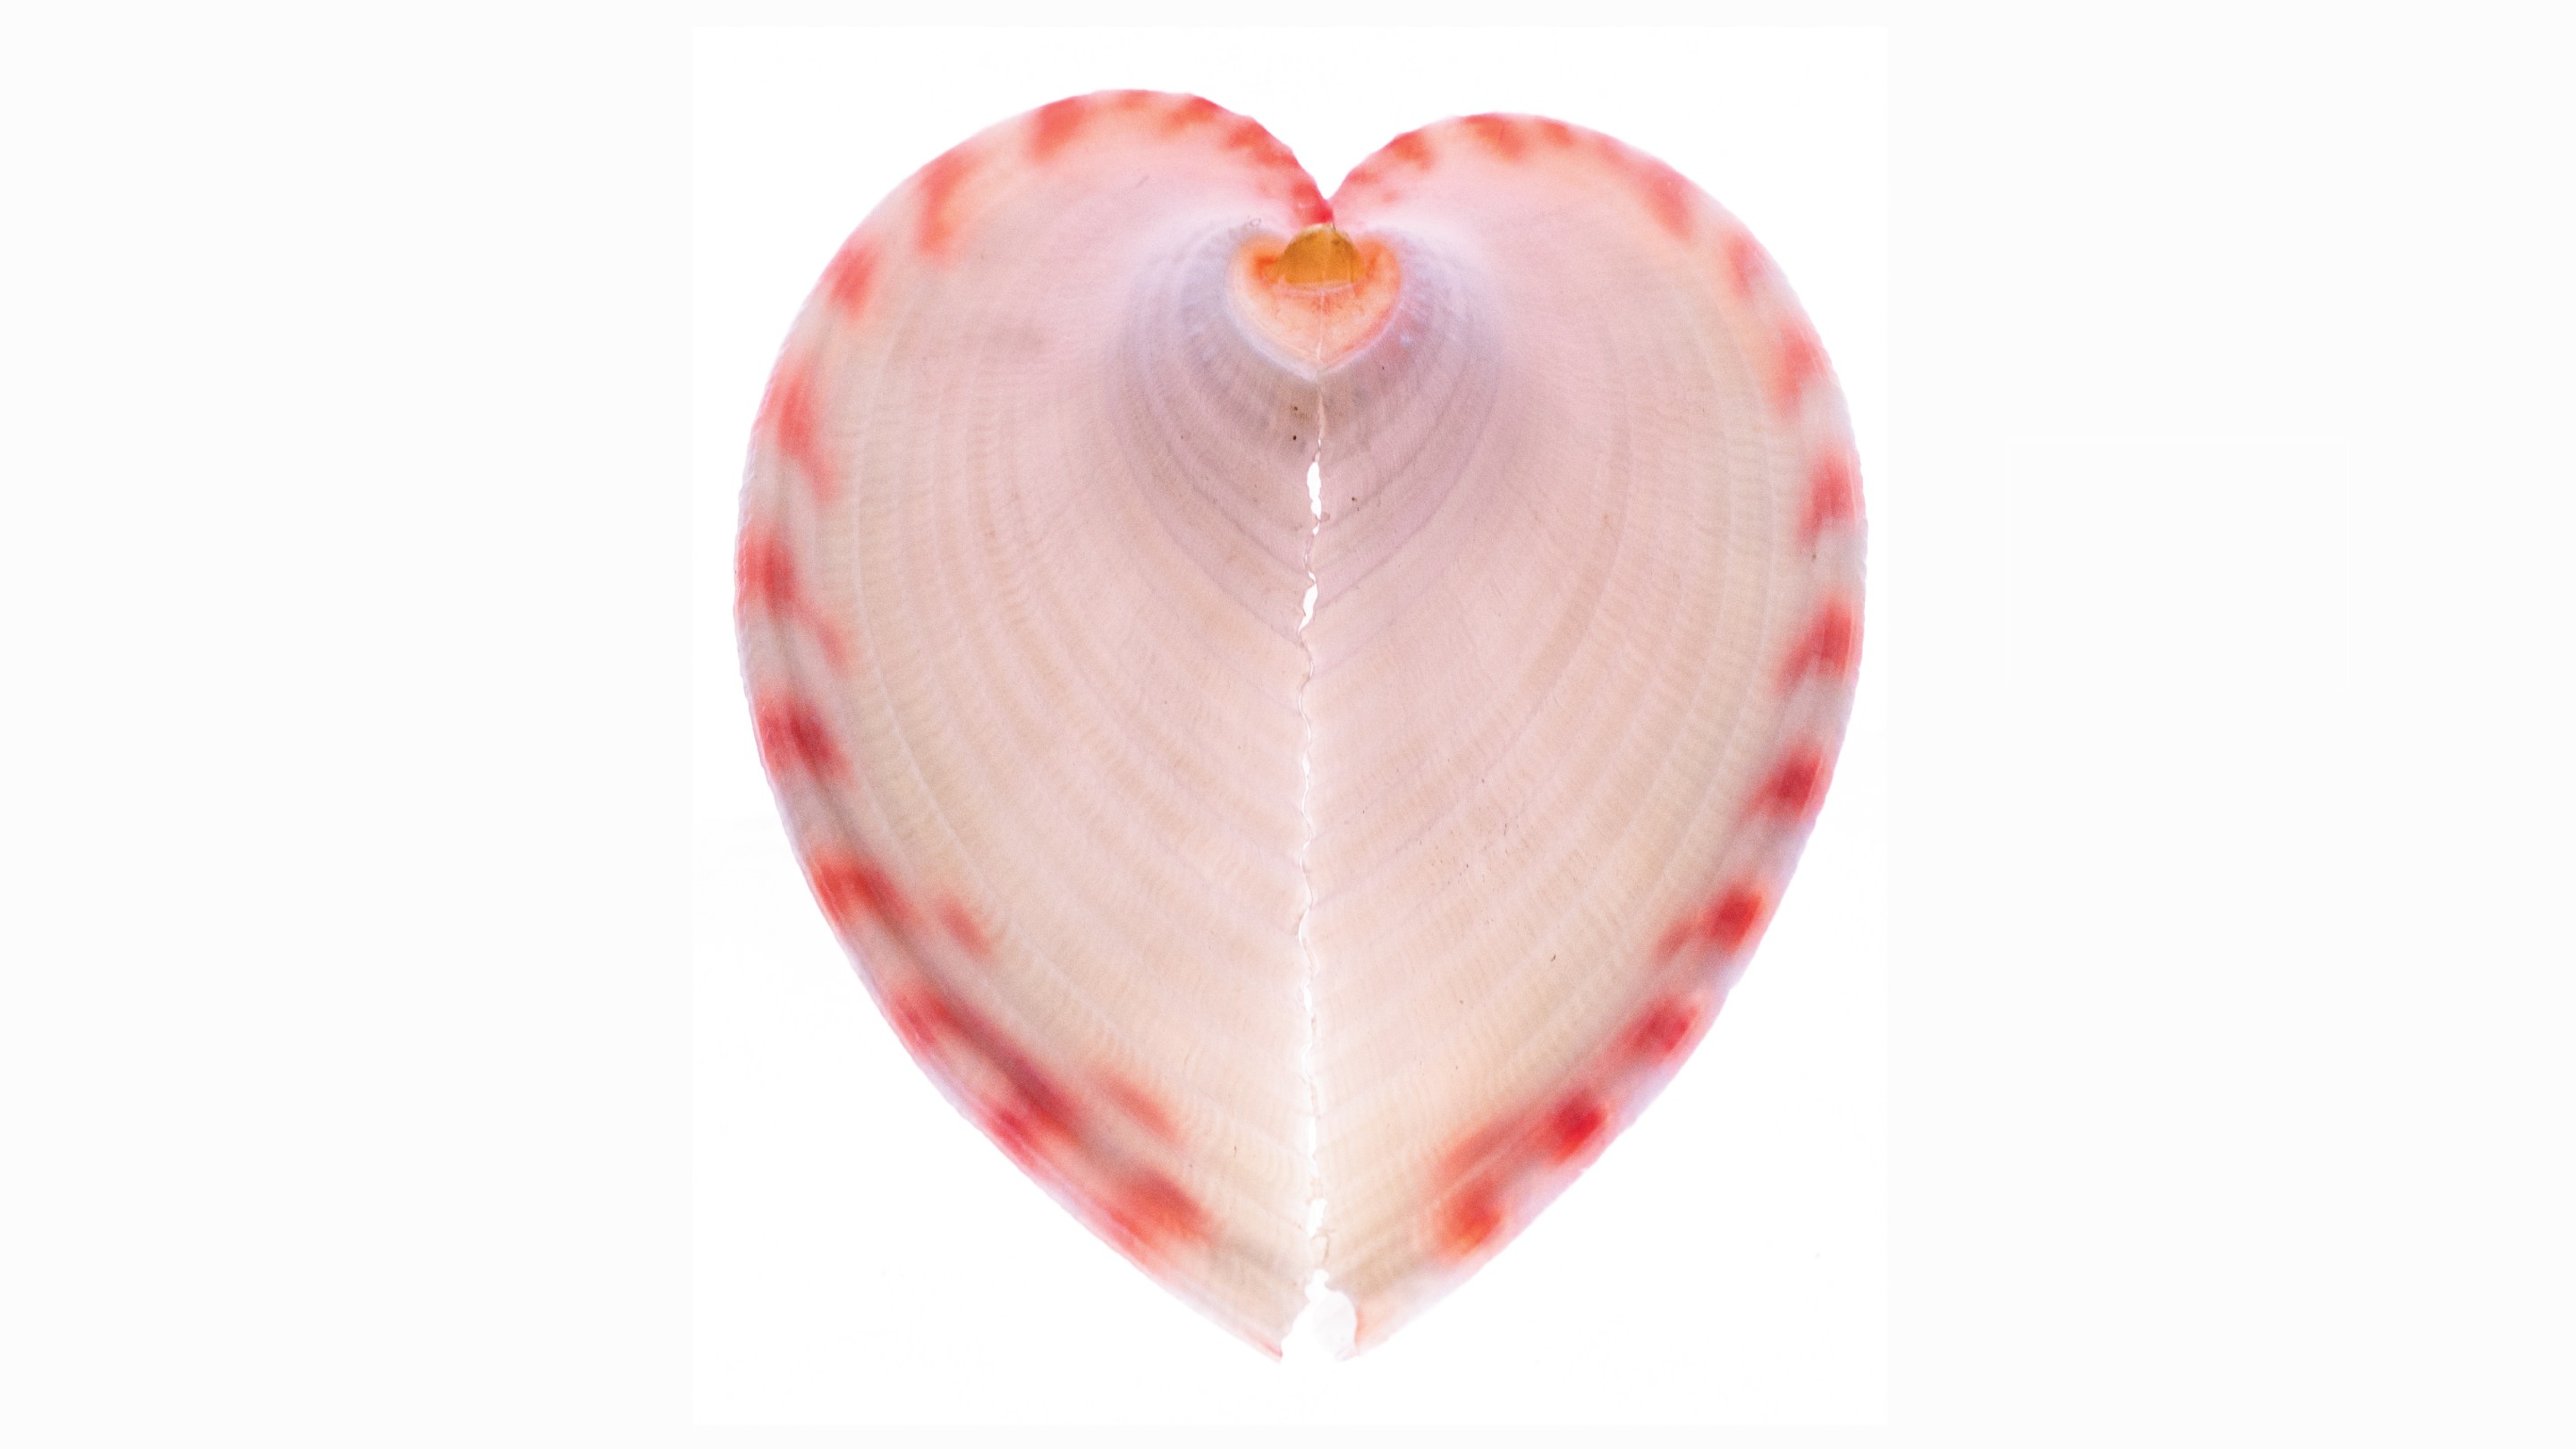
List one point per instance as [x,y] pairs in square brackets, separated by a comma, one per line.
[1302,886]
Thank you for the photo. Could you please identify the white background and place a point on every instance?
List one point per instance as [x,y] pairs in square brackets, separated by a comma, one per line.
[860,1251]
[351,544]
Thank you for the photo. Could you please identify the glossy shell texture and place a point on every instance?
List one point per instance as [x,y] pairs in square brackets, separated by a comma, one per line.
[1298,892]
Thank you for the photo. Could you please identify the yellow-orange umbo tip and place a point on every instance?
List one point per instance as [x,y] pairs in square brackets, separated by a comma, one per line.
[1319,256]
[1318,296]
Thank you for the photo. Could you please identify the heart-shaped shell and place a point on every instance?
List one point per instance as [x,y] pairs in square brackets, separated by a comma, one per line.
[1299,885]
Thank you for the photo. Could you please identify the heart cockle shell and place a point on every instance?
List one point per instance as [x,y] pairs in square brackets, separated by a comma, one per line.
[1302,887]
